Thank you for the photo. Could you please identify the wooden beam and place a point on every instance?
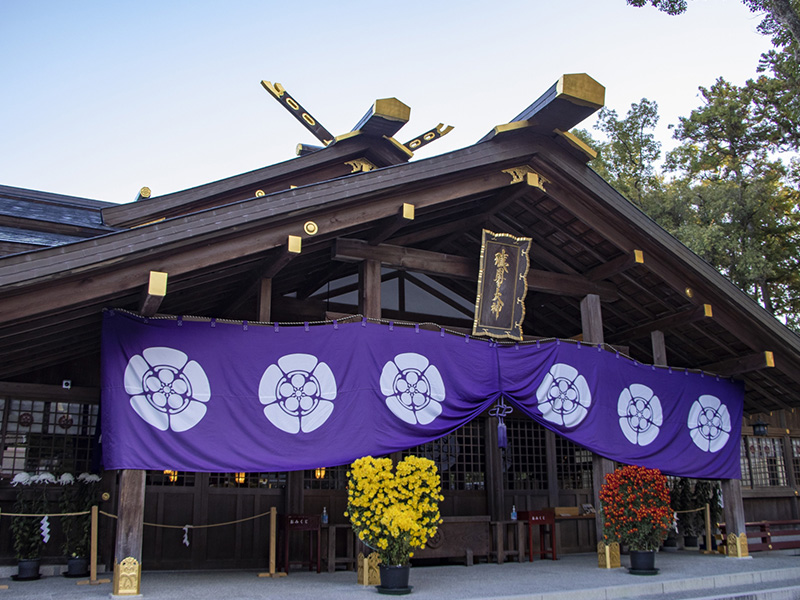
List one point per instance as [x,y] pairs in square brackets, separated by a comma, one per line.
[500,200]
[665,323]
[659,348]
[399,257]
[268,269]
[615,266]
[301,114]
[369,293]
[264,300]
[592,319]
[56,393]
[429,136]
[568,102]
[404,216]
[325,294]
[439,295]
[153,294]
[384,118]
[570,285]
[766,394]
[742,364]
[449,265]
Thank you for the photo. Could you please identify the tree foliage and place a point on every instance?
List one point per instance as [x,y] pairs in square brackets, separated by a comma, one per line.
[781,18]
[721,191]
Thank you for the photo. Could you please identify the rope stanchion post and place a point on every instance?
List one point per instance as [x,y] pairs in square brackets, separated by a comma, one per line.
[707,510]
[93,580]
[273,534]
[708,549]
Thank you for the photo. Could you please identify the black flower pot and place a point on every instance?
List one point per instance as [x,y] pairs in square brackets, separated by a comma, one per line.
[394,579]
[27,569]
[643,562]
[77,567]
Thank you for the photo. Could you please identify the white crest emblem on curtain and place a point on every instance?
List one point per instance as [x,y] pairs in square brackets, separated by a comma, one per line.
[564,396]
[709,423]
[168,390]
[298,393]
[640,415]
[413,388]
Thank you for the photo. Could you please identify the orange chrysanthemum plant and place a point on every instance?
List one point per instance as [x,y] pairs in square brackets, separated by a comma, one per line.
[635,508]
[394,512]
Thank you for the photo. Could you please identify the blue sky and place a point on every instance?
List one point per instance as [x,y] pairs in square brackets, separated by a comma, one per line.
[101,98]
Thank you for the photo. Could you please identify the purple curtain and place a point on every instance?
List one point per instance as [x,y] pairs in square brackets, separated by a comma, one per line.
[209,396]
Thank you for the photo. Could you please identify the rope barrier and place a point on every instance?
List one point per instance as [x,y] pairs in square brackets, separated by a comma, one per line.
[691,510]
[70,514]
[113,516]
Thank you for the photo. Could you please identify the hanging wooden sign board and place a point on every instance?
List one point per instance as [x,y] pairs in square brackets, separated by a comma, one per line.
[502,285]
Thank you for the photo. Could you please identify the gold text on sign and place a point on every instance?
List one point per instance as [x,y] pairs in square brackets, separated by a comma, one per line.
[501,263]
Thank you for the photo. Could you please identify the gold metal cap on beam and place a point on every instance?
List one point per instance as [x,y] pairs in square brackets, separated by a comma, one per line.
[391,108]
[295,244]
[157,285]
[144,194]
[581,89]
[408,211]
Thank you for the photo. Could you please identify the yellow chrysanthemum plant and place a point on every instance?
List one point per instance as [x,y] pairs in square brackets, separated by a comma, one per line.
[394,511]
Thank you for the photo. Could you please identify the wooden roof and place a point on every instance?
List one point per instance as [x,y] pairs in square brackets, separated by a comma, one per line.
[31,219]
[527,177]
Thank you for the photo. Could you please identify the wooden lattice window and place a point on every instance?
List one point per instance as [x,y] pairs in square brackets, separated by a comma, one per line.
[744,463]
[796,458]
[525,458]
[765,462]
[326,478]
[460,457]
[247,480]
[171,478]
[573,465]
[41,436]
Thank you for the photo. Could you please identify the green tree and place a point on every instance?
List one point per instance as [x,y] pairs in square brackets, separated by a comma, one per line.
[744,209]
[781,17]
[632,150]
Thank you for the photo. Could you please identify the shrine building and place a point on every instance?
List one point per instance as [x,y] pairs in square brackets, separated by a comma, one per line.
[355,237]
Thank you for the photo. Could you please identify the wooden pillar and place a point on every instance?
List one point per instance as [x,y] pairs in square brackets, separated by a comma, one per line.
[659,348]
[788,453]
[592,320]
[592,324]
[265,300]
[734,518]
[130,526]
[552,469]
[369,289]
[494,472]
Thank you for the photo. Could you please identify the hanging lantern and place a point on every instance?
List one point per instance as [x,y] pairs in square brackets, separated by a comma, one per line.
[172,476]
[759,428]
[319,473]
[239,478]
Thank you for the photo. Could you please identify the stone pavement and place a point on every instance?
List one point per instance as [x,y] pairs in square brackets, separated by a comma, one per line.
[682,576]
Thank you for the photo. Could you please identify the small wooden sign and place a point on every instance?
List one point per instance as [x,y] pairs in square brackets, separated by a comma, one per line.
[502,286]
